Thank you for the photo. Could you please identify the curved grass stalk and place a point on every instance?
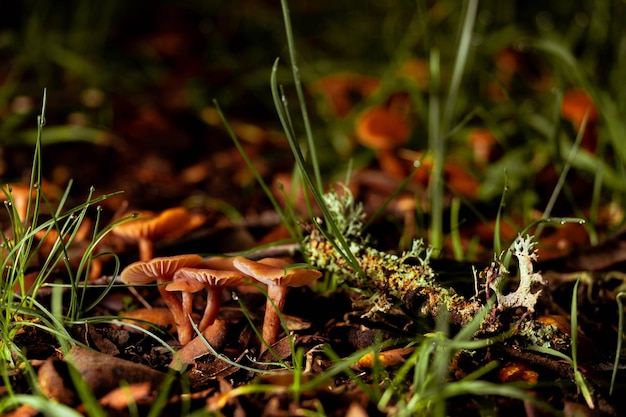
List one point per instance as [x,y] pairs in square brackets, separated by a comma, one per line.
[337,239]
[620,336]
[37,402]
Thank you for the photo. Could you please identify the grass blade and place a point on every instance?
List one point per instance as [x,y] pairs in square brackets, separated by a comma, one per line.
[298,85]
[620,336]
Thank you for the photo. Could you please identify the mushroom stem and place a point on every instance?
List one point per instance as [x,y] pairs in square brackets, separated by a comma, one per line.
[213,303]
[146,249]
[175,306]
[276,295]
[390,164]
[185,329]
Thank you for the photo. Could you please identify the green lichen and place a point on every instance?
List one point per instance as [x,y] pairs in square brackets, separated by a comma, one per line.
[386,278]
[345,212]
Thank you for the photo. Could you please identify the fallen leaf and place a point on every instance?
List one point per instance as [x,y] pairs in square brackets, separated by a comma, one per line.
[386,358]
[119,398]
[161,317]
[356,410]
[215,335]
[517,372]
[101,373]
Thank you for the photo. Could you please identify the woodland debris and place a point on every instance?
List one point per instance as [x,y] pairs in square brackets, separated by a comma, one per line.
[386,278]
[214,335]
[101,373]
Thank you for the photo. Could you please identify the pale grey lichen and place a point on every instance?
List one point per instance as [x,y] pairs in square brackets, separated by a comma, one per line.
[530,283]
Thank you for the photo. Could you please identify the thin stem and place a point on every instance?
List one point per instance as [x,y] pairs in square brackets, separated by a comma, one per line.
[175,306]
[300,93]
[276,295]
[146,249]
[437,147]
[185,328]
[213,303]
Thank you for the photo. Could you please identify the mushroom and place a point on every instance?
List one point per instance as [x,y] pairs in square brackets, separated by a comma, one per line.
[484,145]
[384,130]
[187,287]
[21,195]
[162,270]
[577,104]
[151,227]
[193,279]
[274,273]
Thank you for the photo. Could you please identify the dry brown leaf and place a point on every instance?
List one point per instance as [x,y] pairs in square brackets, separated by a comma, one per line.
[119,398]
[517,372]
[214,335]
[385,358]
[356,410]
[161,317]
[101,373]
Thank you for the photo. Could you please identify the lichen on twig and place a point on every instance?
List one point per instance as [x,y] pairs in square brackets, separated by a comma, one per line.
[386,277]
[409,278]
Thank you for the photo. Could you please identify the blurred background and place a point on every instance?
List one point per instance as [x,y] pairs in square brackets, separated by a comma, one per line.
[130,90]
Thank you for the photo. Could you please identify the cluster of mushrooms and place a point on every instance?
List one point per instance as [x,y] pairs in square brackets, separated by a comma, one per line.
[189,274]
[179,277]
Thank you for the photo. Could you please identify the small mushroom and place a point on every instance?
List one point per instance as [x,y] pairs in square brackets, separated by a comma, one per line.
[150,227]
[162,271]
[484,146]
[384,130]
[274,273]
[187,287]
[213,280]
[22,194]
[213,274]
[578,104]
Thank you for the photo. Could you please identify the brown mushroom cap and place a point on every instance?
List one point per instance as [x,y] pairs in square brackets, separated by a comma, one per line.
[188,285]
[162,270]
[144,272]
[577,103]
[145,231]
[21,194]
[382,129]
[218,263]
[272,271]
[154,226]
[212,277]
